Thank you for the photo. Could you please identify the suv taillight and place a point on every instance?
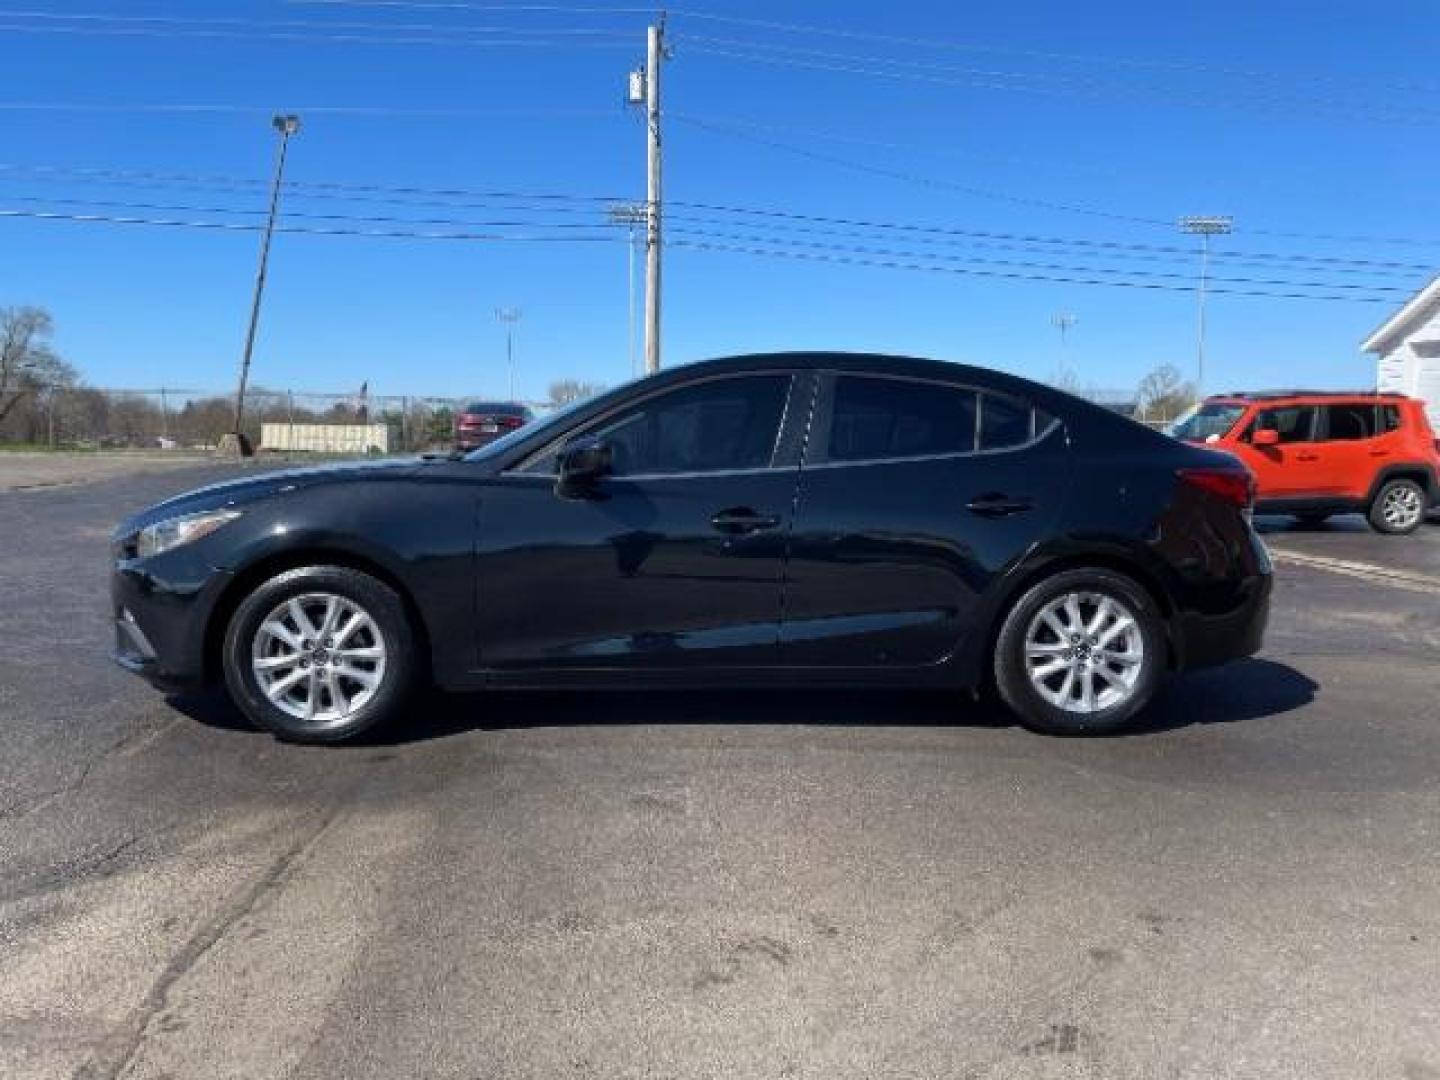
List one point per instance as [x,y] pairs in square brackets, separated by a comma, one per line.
[1234,486]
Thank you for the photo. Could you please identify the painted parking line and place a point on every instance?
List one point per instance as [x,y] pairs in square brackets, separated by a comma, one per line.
[1382,575]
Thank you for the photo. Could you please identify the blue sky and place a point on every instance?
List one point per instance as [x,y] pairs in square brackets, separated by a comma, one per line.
[1299,119]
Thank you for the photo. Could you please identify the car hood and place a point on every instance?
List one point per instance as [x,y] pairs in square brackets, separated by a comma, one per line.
[249,489]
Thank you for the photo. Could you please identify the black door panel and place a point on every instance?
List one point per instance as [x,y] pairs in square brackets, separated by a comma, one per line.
[888,557]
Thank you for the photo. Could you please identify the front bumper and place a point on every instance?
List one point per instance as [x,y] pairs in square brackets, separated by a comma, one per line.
[162,609]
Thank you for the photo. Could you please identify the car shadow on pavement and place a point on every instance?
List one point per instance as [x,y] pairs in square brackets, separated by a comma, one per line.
[1247,690]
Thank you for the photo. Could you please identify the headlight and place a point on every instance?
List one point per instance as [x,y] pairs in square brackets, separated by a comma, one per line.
[171,533]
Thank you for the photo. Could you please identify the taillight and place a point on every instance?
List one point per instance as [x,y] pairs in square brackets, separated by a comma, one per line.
[1234,486]
[511,422]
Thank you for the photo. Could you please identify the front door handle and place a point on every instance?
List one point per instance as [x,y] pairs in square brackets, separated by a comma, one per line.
[1307,457]
[995,505]
[741,520]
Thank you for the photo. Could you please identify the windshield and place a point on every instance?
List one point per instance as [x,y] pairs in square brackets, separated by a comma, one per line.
[1210,419]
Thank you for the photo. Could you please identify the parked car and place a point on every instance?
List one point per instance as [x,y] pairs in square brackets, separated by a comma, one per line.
[482,422]
[1318,453]
[784,520]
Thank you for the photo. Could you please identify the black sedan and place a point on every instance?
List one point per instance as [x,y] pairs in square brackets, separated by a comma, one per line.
[781,520]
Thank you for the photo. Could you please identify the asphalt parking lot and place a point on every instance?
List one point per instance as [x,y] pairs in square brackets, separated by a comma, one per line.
[737,886]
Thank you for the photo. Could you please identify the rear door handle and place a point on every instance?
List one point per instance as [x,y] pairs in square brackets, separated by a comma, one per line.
[995,505]
[1307,457]
[741,519]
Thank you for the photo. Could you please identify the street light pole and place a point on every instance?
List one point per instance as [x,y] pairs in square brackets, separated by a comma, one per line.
[1204,226]
[509,316]
[287,126]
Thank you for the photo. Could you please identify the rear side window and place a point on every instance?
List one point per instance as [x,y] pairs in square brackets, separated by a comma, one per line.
[1293,424]
[1004,422]
[1389,418]
[1349,422]
[892,418]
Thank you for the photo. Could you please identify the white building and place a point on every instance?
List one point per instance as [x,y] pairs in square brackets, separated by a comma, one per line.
[1407,349]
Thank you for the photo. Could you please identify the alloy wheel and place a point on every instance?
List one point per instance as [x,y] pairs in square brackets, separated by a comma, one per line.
[1402,506]
[319,657]
[1084,652]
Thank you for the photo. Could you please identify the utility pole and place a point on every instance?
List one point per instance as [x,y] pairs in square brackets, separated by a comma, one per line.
[645,89]
[1204,226]
[509,316]
[630,215]
[287,126]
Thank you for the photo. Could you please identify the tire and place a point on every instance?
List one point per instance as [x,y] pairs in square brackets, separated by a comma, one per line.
[1398,507]
[1313,519]
[319,693]
[1026,627]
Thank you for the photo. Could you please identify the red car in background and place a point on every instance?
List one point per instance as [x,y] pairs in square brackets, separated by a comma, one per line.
[1318,453]
[482,422]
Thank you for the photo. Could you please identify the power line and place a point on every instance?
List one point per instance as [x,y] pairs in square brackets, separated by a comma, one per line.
[913,178]
[1016,276]
[331,110]
[251,227]
[520,37]
[942,75]
[977,261]
[706,244]
[933,43]
[405,195]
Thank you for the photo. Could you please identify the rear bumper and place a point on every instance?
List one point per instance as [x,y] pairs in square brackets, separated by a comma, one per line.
[1230,627]
[161,617]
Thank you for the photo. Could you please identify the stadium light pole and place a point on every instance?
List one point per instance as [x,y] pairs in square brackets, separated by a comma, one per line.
[630,215]
[509,316]
[1204,226]
[1064,321]
[286,125]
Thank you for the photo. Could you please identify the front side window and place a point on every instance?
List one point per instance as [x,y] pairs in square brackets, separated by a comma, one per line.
[1293,424]
[876,419]
[1349,422]
[716,426]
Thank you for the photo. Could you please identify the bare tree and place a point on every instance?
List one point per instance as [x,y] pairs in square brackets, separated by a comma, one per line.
[27,363]
[1164,394]
[565,391]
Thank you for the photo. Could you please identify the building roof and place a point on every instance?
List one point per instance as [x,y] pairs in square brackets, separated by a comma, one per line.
[1418,308]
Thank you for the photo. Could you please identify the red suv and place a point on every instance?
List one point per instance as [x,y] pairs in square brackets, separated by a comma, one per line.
[1317,453]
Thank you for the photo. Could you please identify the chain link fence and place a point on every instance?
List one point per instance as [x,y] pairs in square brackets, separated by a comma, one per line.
[276,421]
[86,418]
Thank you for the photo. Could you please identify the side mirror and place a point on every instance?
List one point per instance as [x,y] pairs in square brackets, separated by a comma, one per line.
[1266,437]
[581,464]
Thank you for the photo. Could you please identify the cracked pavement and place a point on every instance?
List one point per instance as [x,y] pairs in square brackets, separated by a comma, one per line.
[745,885]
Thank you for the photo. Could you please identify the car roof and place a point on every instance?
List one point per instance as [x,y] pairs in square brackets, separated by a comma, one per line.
[914,367]
[1241,397]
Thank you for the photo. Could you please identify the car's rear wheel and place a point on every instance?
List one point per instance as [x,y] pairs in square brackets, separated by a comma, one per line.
[1080,653]
[1398,507]
[320,654]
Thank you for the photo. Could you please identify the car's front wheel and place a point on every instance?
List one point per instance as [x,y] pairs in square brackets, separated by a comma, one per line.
[1080,653]
[1399,507]
[320,654]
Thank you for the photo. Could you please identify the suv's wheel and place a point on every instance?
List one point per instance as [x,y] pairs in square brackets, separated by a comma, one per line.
[1398,507]
[320,654]
[1080,653]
